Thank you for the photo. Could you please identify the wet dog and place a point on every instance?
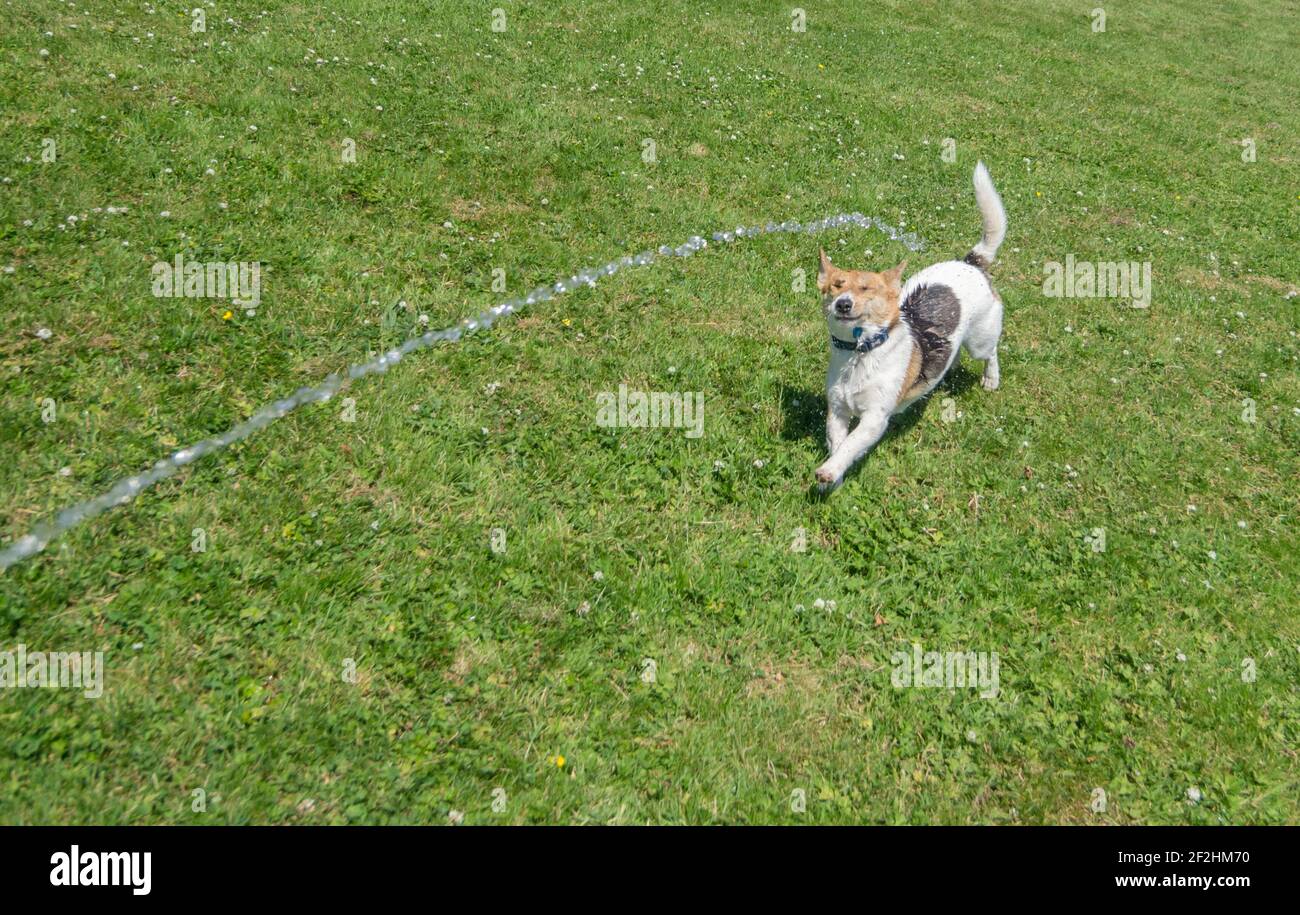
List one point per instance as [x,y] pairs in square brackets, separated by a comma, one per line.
[892,342]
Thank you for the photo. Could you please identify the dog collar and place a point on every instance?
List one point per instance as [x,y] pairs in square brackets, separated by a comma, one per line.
[861,343]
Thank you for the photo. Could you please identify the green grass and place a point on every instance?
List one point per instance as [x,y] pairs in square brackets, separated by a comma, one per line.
[369,541]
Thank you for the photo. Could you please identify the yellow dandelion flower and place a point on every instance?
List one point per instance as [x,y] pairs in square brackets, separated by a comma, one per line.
[566,322]
[227,315]
[559,762]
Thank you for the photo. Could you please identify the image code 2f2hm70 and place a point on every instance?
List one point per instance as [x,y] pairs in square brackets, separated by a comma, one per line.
[611,413]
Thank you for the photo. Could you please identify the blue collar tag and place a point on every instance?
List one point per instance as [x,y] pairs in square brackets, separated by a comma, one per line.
[861,343]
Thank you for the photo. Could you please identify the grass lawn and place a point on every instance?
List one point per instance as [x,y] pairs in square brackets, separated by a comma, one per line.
[1117,523]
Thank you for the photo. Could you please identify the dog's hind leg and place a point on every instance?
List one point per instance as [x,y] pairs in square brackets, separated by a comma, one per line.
[982,342]
[992,377]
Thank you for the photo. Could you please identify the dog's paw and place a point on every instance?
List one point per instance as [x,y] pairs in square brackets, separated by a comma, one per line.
[989,384]
[828,478]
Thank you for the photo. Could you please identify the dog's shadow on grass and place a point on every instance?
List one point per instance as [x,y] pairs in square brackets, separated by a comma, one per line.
[804,416]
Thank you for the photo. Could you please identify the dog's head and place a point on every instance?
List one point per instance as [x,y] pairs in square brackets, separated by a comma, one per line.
[859,298]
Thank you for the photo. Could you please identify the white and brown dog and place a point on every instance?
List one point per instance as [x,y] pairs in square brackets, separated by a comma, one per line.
[891,343]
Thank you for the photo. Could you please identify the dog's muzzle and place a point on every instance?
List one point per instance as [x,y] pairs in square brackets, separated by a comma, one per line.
[843,306]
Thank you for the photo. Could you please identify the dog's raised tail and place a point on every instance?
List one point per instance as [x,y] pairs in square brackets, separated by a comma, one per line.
[993,216]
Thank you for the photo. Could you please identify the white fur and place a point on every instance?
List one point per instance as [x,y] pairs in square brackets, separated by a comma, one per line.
[868,385]
[992,214]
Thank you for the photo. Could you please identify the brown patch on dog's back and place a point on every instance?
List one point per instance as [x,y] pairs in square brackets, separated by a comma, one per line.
[910,380]
[932,314]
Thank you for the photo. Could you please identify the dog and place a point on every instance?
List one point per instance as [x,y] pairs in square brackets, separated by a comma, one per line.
[891,342]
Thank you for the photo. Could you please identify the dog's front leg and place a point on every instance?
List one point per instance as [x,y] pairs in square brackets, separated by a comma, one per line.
[837,429]
[858,442]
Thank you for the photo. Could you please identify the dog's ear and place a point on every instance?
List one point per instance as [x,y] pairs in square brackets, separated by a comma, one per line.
[895,273]
[824,267]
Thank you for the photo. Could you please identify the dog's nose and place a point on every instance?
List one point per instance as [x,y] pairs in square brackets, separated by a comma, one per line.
[843,306]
